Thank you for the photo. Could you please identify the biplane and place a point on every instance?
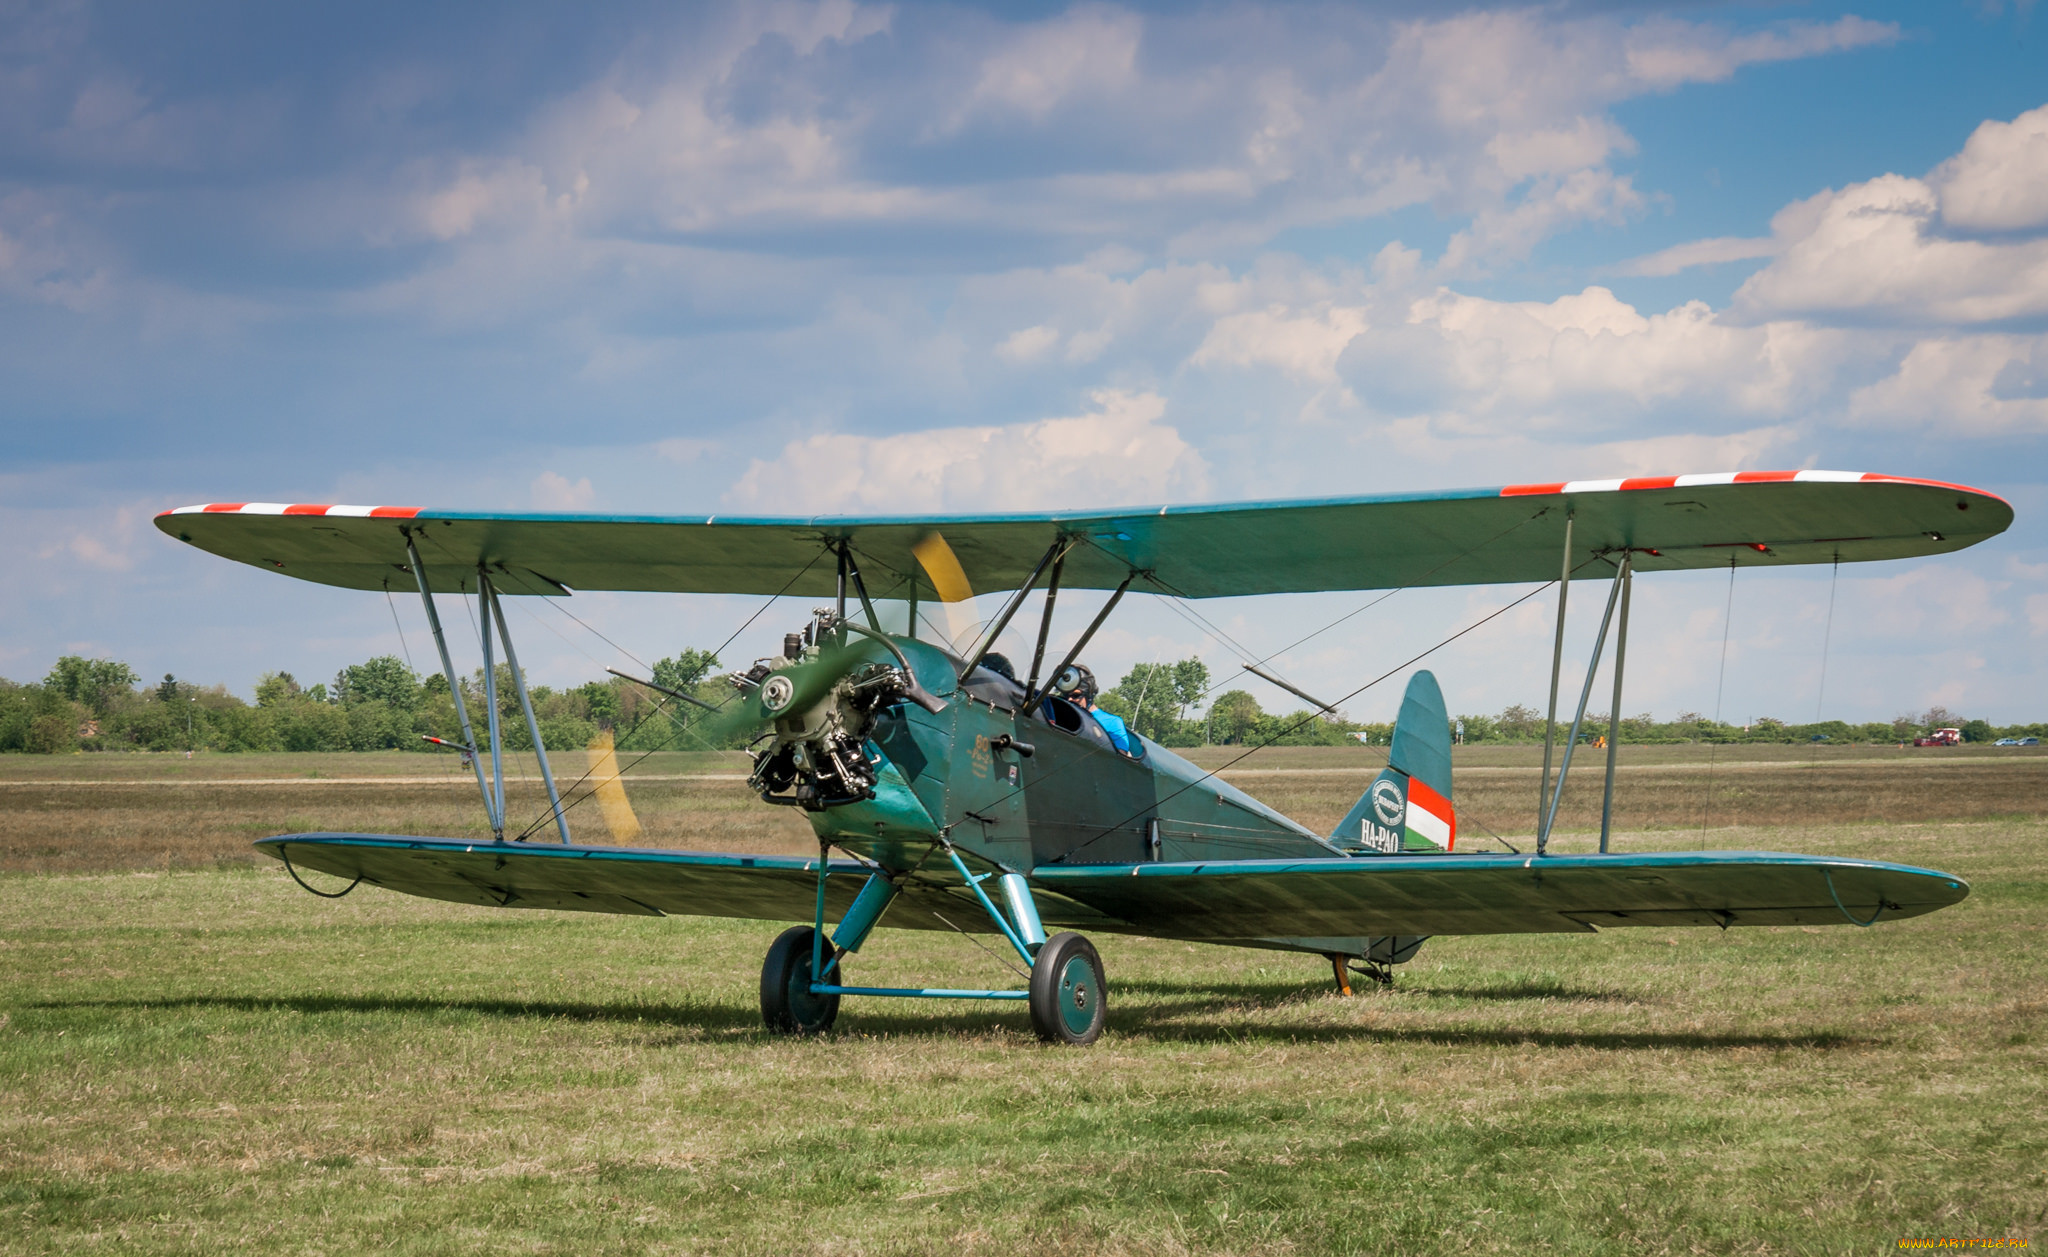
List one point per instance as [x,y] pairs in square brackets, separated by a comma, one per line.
[946,793]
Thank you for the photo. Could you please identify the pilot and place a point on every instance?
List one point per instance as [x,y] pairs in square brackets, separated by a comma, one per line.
[1077,685]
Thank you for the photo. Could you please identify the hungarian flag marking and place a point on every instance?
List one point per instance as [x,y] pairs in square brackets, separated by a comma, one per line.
[1430,815]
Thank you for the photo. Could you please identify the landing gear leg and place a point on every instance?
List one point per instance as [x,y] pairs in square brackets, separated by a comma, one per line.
[788,1005]
[1067,1004]
[1339,964]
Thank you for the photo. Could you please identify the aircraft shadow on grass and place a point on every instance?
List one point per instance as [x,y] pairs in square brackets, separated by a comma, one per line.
[1222,1024]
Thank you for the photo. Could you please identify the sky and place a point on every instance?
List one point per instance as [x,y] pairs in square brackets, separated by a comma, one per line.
[793,258]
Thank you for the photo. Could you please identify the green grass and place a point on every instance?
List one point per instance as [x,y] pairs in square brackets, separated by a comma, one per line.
[211,1060]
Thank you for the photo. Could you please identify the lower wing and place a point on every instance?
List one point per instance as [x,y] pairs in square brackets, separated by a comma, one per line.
[1221,901]
[1472,894]
[638,881]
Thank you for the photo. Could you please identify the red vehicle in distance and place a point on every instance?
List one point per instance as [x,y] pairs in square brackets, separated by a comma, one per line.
[1940,737]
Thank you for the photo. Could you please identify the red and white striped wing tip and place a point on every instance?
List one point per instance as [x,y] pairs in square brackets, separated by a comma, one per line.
[294,508]
[1627,483]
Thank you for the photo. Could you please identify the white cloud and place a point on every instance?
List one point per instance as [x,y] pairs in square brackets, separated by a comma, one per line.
[1969,385]
[1119,453]
[555,492]
[1871,253]
[1711,252]
[1585,364]
[1028,343]
[2037,614]
[1305,343]
[1083,51]
[1554,204]
[1667,55]
[1183,131]
[1999,182]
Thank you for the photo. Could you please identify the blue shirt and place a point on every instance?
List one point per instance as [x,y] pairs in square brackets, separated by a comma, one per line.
[1114,726]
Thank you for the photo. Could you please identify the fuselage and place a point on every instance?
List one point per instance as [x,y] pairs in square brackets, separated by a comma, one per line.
[1072,798]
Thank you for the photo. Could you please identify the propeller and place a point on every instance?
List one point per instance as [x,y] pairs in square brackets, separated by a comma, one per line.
[816,703]
[949,582]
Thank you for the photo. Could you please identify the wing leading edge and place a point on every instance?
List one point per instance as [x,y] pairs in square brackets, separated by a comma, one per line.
[1460,537]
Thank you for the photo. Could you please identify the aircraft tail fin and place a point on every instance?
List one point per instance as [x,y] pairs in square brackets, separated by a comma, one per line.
[1408,806]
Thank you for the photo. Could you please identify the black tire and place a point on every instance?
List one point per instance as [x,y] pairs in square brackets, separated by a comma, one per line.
[1068,991]
[787,1004]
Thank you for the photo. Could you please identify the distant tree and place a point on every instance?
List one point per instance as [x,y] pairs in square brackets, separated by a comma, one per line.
[53,734]
[1518,721]
[384,679]
[276,688]
[167,690]
[684,671]
[93,682]
[1147,698]
[1978,731]
[1190,682]
[1234,717]
[1939,717]
[1478,728]
[601,700]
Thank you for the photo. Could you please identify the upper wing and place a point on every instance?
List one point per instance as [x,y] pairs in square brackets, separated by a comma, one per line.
[1463,537]
[1253,899]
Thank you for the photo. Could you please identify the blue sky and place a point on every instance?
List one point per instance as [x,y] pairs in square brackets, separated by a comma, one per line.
[803,257]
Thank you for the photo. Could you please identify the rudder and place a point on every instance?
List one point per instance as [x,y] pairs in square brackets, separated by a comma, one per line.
[1408,806]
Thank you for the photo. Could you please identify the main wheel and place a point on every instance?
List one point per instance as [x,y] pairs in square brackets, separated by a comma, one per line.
[1067,991]
[787,1004]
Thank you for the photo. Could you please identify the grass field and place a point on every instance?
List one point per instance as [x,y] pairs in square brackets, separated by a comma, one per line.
[195,1056]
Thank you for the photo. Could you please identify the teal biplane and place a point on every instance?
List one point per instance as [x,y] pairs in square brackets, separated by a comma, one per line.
[946,793]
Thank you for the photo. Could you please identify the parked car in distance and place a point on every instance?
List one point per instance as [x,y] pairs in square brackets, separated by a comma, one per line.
[2030,741]
[2007,742]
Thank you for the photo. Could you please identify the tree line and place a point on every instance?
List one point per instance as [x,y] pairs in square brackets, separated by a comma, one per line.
[380,704]
[1165,702]
[383,704]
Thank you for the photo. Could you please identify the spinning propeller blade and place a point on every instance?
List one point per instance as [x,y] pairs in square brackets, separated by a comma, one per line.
[949,581]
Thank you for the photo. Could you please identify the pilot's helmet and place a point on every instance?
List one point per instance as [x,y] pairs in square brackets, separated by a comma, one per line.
[1076,681]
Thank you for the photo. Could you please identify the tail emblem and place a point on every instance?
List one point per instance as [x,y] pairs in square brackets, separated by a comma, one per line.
[1406,814]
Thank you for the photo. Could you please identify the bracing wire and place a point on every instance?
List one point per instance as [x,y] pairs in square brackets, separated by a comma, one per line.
[1313,716]
[570,642]
[1246,655]
[775,598]
[549,815]
[556,604]
[540,822]
[402,643]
